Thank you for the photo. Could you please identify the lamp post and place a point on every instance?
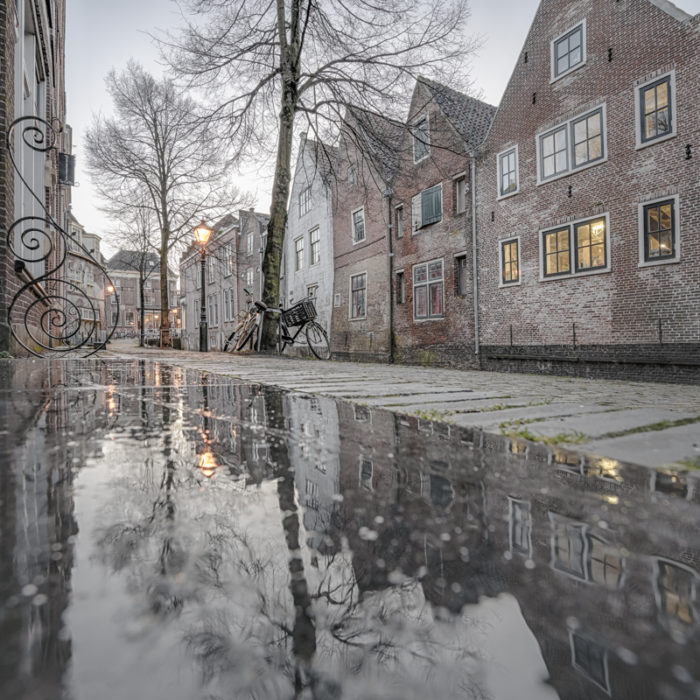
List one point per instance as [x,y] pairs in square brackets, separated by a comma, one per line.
[201,236]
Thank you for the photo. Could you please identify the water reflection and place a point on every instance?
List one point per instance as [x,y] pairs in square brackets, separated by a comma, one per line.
[170,534]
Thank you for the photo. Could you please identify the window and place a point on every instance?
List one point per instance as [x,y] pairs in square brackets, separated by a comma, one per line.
[211,268]
[605,564]
[568,547]
[576,144]
[591,659]
[659,232]
[358,289]
[312,291]
[421,140]
[358,226]
[249,278]
[315,237]
[337,300]
[304,201]
[556,252]
[520,526]
[656,109]
[427,207]
[312,494]
[675,588]
[590,245]
[226,315]
[298,253]
[569,51]
[147,284]
[428,286]
[460,194]
[399,221]
[461,276]
[588,239]
[352,175]
[366,471]
[508,172]
[510,263]
[249,243]
[228,258]
[400,288]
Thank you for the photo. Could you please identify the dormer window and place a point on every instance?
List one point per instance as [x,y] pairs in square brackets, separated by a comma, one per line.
[569,51]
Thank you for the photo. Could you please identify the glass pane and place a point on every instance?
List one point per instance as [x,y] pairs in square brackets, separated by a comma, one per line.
[649,100]
[561,162]
[551,264]
[548,145]
[436,299]
[420,273]
[560,139]
[653,246]
[435,271]
[562,65]
[564,262]
[665,216]
[562,47]
[665,243]
[584,234]
[511,162]
[575,39]
[663,122]
[595,148]
[653,219]
[563,236]
[598,254]
[575,57]
[580,131]
[650,126]
[584,258]
[548,166]
[581,153]
[507,252]
[550,242]
[661,95]
[421,307]
[598,231]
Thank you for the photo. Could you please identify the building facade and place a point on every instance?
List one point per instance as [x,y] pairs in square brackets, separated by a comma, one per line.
[307,257]
[588,196]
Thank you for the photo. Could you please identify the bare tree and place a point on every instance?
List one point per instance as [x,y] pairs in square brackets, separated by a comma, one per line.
[272,62]
[155,144]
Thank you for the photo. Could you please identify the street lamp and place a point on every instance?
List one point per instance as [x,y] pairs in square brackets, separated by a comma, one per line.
[201,236]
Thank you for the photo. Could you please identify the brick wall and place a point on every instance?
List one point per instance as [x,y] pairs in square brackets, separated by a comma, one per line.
[628,43]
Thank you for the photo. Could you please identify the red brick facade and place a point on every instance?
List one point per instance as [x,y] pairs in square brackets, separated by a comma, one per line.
[618,303]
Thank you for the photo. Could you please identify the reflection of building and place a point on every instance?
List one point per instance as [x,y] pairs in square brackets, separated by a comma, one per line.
[136,277]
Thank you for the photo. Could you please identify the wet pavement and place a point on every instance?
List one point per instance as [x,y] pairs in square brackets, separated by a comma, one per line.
[654,424]
[168,533]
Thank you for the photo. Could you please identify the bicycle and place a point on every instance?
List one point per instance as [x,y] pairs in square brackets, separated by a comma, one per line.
[290,323]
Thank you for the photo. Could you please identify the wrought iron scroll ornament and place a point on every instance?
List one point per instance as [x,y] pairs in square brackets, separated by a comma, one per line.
[56,314]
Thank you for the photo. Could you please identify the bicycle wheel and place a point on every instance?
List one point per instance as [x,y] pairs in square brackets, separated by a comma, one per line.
[235,338]
[249,334]
[318,341]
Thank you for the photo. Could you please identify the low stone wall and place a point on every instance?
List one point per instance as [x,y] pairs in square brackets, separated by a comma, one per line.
[453,355]
[676,363]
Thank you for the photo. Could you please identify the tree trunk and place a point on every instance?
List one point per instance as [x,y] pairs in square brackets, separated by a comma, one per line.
[164,301]
[142,311]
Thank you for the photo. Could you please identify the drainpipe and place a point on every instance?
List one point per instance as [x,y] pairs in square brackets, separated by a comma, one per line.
[475,255]
[388,192]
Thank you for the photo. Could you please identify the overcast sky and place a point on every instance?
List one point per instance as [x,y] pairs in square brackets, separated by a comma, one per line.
[101,35]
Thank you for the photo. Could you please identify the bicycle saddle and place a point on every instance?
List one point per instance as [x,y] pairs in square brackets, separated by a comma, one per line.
[260,305]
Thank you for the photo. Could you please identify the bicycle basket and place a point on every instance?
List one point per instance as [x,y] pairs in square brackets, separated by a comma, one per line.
[299,313]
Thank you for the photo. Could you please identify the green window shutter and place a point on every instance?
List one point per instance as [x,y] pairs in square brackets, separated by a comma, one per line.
[432,205]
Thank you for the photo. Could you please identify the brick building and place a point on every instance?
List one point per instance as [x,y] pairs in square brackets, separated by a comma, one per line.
[432,229]
[367,162]
[32,84]
[588,196]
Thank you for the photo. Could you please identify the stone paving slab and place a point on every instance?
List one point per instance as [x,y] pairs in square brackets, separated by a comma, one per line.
[586,408]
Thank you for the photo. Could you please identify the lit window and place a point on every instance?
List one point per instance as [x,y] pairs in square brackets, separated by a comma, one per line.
[426,207]
[568,51]
[358,289]
[656,110]
[421,140]
[510,264]
[590,245]
[557,260]
[589,248]
[315,237]
[358,226]
[298,254]
[304,201]
[428,288]
[676,589]
[508,172]
[659,231]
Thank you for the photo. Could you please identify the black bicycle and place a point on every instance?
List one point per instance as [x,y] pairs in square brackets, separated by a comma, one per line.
[290,324]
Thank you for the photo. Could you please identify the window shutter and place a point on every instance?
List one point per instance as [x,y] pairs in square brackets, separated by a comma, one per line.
[416,212]
[432,205]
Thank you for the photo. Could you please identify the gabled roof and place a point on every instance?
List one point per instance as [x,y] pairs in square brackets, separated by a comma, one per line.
[323,154]
[671,9]
[382,138]
[130,259]
[469,116]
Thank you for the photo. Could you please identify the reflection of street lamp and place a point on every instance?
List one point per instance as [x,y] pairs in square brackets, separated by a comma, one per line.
[208,464]
[201,236]
[109,290]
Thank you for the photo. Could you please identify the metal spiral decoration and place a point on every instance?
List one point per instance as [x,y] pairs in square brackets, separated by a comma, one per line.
[56,314]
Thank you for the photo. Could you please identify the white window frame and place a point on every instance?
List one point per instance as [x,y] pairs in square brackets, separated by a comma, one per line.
[350,316]
[571,225]
[638,89]
[317,231]
[250,278]
[355,240]
[423,118]
[228,255]
[305,201]
[499,156]
[249,243]
[299,249]
[427,284]
[676,231]
[552,51]
[512,239]
[567,126]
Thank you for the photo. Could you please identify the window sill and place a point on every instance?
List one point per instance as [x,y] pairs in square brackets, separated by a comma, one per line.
[358,318]
[568,173]
[654,263]
[575,275]
[651,142]
[506,285]
[511,194]
[428,320]
[571,70]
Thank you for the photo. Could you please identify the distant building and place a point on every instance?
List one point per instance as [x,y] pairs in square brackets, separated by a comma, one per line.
[307,257]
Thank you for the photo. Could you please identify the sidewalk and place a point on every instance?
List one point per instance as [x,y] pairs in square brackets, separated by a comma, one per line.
[650,424]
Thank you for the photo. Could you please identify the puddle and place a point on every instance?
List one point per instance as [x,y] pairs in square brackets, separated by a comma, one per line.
[171,534]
